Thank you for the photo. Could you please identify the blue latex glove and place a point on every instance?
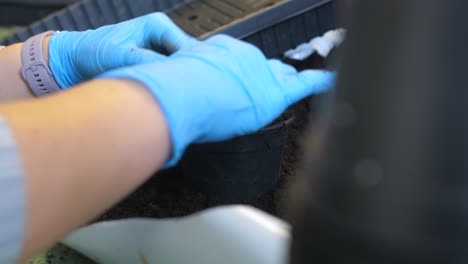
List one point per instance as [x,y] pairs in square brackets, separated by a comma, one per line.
[75,57]
[222,88]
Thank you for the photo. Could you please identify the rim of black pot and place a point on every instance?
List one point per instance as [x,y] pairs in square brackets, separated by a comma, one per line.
[234,141]
[279,125]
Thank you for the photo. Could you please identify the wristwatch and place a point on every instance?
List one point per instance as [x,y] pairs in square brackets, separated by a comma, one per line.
[35,71]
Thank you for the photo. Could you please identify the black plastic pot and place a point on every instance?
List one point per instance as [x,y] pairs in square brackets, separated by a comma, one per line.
[240,169]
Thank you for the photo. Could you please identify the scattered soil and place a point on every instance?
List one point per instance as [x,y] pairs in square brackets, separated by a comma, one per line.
[169,194]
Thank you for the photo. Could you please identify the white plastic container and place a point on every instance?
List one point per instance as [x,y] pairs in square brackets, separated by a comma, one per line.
[228,235]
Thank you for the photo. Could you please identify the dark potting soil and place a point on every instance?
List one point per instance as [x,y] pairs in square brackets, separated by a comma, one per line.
[169,194]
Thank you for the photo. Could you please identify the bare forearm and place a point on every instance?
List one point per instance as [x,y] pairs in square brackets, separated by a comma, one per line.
[83,151]
[13,87]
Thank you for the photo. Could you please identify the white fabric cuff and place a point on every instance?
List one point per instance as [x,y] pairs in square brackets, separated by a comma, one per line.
[12,197]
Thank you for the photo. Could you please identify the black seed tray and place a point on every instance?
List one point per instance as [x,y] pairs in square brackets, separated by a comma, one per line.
[25,12]
[272,25]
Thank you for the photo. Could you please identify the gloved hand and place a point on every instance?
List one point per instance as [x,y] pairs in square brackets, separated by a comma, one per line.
[75,57]
[222,88]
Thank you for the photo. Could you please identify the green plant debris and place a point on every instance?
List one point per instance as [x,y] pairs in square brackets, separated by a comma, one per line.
[5,32]
[60,255]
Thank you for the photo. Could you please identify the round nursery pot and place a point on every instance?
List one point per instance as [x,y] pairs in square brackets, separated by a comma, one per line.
[240,169]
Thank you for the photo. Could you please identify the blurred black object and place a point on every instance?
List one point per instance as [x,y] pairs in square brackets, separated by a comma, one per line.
[24,12]
[390,184]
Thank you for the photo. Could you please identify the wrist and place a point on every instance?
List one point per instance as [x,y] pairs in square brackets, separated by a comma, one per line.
[35,68]
[133,92]
[181,133]
[13,85]
[45,49]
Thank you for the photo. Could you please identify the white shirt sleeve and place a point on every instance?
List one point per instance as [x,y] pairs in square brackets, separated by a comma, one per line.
[12,197]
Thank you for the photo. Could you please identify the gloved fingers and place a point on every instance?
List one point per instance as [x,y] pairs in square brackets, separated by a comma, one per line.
[167,35]
[225,41]
[281,68]
[309,82]
[244,51]
[135,56]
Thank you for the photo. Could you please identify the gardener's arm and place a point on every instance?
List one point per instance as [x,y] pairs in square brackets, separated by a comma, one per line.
[75,57]
[13,86]
[83,151]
